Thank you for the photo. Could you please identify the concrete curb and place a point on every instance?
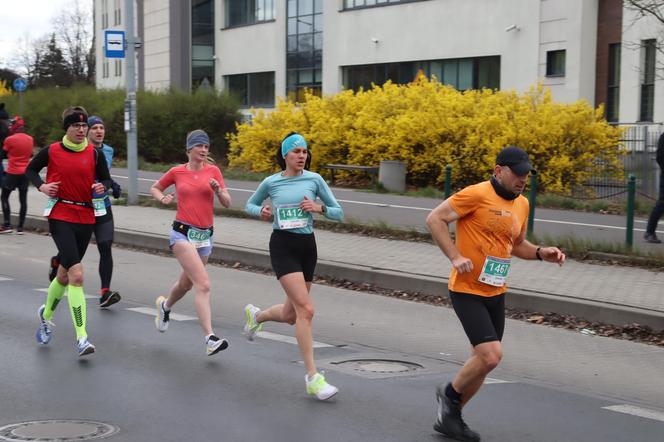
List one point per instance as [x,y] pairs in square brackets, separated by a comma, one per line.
[614,314]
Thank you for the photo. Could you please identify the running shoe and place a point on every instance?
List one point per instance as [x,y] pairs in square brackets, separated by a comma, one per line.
[318,386]
[108,298]
[45,329]
[215,345]
[6,229]
[251,327]
[162,318]
[53,269]
[19,231]
[84,346]
[449,421]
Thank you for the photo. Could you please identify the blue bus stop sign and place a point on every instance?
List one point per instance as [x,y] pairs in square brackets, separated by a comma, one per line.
[114,44]
[20,85]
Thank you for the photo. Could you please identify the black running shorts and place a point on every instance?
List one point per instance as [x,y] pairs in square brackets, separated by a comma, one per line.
[293,252]
[482,317]
[71,239]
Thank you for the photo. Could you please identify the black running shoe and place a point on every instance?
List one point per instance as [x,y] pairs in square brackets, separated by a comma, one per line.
[449,421]
[53,269]
[108,299]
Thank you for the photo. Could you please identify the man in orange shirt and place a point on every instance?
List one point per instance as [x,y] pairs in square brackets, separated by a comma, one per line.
[491,219]
[18,149]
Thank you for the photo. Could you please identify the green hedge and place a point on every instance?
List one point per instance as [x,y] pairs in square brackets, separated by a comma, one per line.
[163,118]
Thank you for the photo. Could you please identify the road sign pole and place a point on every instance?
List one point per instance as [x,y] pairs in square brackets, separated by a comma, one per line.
[132,155]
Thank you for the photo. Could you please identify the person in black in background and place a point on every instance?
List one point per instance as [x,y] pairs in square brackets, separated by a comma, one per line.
[657,211]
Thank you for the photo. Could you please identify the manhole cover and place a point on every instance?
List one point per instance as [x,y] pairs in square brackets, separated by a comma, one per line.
[56,431]
[380,365]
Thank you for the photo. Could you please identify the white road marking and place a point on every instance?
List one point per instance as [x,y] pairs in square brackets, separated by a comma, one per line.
[287,339]
[46,291]
[497,381]
[2,278]
[151,312]
[637,411]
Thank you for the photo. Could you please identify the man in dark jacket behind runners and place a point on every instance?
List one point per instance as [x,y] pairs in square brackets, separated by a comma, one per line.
[657,211]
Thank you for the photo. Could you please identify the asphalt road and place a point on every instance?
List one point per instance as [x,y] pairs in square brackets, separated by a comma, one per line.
[411,212]
[553,385]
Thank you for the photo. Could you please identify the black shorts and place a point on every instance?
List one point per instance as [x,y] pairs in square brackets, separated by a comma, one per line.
[482,317]
[71,239]
[293,252]
[104,227]
[11,182]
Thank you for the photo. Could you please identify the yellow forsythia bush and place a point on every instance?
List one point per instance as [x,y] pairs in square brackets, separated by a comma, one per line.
[429,125]
[4,89]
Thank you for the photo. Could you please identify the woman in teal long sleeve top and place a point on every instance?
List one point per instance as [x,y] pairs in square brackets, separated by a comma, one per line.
[293,253]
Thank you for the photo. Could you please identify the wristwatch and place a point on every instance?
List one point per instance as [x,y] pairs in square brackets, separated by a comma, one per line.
[323,208]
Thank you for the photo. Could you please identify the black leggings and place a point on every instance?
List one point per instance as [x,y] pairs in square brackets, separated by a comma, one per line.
[71,239]
[103,229]
[482,317]
[9,183]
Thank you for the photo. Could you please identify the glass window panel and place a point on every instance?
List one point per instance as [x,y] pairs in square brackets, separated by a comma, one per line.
[318,6]
[318,75]
[305,7]
[318,41]
[269,10]
[318,58]
[305,42]
[291,60]
[318,23]
[305,59]
[306,76]
[292,26]
[465,74]
[260,10]
[436,68]
[305,24]
[291,79]
[450,71]
[488,73]
[202,52]
[292,8]
[370,2]
[261,89]
[292,43]
[237,86]
[555,63]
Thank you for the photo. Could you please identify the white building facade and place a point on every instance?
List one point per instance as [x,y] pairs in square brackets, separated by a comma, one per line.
[263,49]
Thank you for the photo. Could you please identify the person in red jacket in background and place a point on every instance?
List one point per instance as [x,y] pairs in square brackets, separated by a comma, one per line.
[17,147]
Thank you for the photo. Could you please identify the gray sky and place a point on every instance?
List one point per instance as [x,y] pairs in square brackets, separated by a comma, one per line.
[26,18]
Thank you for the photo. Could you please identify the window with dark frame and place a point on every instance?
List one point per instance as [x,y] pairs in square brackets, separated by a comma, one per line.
[555,63]
[460,73]
[254,89]
[249,12]
[202,43]
[304,48]
[649,52]
[613,84]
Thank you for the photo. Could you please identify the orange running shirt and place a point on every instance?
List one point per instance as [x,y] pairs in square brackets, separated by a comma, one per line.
[194,195]
[488,225]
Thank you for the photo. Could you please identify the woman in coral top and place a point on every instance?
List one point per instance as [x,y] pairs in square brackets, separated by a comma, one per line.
[196,184]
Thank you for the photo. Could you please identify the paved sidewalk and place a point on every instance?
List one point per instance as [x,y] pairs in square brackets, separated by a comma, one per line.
[609,293]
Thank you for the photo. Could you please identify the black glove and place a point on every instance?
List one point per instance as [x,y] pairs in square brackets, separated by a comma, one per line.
[116,190]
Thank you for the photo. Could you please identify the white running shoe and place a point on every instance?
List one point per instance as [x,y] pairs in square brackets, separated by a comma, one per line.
[214,345]
[45,329]
[251,327]
[84,347]
[162,318]
[318,386]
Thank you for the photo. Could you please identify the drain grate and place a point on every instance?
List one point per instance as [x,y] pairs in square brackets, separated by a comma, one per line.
[56,431]
[382,366]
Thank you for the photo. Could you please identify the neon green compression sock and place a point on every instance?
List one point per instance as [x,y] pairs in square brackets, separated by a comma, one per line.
[77,308]
[55,293]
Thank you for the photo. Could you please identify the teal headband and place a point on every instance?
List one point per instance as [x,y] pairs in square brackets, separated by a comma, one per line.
[292,142]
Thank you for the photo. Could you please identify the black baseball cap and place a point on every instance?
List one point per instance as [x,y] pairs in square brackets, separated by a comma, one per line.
[516,159]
